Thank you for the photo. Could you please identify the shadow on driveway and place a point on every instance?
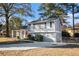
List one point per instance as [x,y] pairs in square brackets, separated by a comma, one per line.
[66,46]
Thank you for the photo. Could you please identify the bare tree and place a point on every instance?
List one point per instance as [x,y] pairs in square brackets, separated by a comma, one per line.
[10,9]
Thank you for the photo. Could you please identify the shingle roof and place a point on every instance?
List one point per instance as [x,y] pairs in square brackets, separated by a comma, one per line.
[41,21]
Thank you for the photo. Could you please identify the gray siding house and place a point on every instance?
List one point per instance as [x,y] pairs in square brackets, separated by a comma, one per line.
[50,29]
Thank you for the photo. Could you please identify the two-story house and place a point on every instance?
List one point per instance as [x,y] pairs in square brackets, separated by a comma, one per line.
[50,29]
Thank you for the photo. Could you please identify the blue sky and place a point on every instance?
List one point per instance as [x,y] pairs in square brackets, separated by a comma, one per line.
[35,7]
[70,18]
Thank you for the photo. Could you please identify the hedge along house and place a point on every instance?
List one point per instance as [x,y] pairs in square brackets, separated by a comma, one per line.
[50,29]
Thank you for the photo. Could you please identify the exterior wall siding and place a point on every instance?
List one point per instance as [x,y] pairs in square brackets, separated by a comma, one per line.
[50,33]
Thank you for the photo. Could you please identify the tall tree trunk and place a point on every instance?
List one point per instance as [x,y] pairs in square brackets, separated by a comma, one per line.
[7,26]
[73,20]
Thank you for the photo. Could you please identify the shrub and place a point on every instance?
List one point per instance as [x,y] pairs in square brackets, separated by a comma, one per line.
[76,35]
[38,37]
[30,37]
[65,34]
[18,37]
[25,38]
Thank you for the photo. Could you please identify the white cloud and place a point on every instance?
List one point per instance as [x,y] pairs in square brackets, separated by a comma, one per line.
[70,16]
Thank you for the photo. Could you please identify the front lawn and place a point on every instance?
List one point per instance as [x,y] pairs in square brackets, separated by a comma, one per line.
[4,39]
[42,52]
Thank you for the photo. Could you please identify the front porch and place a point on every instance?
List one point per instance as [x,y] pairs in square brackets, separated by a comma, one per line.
[20,34]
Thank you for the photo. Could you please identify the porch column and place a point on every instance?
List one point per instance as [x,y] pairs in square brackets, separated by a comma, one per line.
[21,34]
[24,34]
[12,34]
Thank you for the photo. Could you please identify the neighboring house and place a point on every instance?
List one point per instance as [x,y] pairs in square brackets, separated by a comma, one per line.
[70,29]
[77,28]
[50,29]
[21,33]
[2,32]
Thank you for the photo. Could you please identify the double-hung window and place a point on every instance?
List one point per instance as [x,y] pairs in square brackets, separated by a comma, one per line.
[50,24]
[45,24]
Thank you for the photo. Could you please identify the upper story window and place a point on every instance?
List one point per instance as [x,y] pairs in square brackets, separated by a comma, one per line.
[50,24]
[34,26]
[45,24]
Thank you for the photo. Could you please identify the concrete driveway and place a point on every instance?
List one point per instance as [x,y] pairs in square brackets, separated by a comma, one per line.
[26,46]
